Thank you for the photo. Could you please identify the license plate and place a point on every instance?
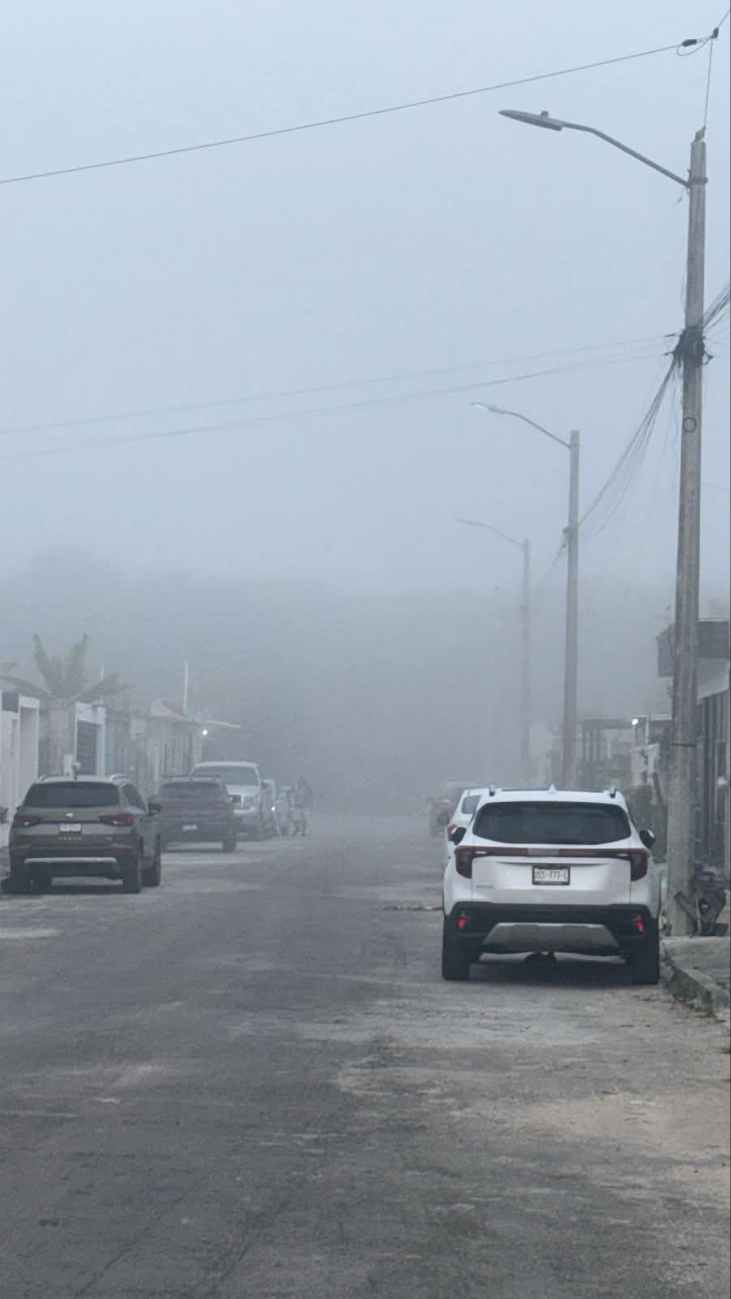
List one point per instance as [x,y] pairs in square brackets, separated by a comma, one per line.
[70,827]
[188,828]
[551,875]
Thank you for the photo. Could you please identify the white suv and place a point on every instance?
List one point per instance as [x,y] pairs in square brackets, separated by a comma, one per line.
[552,871]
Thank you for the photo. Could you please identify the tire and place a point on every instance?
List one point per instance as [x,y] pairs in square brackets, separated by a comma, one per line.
[644,963]
[456,959]
[132,876]
[19,880]
[151,878]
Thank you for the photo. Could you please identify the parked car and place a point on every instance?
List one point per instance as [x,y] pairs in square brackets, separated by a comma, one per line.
[84,827]
[196,809]
[243,783]
[551,871]
[443,806]
[460,819]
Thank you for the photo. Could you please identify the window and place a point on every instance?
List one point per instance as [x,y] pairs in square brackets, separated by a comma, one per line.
[552,823]
[192,791]
[72,793]
[134,798]
[469,804]
[231,775]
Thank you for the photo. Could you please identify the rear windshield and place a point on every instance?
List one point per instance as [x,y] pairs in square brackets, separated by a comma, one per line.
[231,775]
[74,793]
[560,823]
[201,791]
[469,804]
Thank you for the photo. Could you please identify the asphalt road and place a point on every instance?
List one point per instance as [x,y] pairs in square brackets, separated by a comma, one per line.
[253,1082]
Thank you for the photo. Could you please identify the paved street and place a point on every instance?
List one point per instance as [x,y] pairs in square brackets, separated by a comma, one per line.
[253,1082]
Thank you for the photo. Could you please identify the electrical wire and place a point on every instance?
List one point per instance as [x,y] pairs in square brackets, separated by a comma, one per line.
[615,489]
[65,449]
[282,394]
[331,121]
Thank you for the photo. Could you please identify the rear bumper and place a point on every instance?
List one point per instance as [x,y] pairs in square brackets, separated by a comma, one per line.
[108,863]
[599,931]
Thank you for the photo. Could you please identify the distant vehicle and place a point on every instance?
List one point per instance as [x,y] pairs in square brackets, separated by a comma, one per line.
[545,871]
[84,827]
[460,819]
[243,783]
[442,807]
[269,808]
[196,810]
[284,807]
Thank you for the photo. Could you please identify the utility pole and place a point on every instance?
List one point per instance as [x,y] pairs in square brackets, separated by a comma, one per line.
[571,679]
[526,705]
[683,766]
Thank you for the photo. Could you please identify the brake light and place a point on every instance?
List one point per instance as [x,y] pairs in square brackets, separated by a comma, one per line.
[638,864]
[118,818]
[23,822]
[464,858]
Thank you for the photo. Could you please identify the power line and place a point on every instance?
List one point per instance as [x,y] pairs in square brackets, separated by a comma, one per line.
[282,394]
[331,121]
[65,449]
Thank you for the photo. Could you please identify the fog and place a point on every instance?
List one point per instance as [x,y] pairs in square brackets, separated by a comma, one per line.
[298,544]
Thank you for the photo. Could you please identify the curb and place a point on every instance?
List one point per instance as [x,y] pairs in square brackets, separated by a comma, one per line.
[692,986]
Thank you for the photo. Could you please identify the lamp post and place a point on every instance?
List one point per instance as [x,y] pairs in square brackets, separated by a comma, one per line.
[526,765]
[569,773]
[682,795]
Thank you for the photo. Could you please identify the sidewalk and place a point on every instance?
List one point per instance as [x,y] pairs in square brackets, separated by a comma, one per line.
[699,970]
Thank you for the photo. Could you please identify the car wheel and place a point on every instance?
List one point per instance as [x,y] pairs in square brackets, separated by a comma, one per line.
[456,959]
[151,878]
[644,963]
[132,876]
[19,880]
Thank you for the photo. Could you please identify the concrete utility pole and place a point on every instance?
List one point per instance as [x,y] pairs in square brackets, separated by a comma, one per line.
[571,680]
[683,769]
[683,794]
[571,665]
[526,671]
[526,691]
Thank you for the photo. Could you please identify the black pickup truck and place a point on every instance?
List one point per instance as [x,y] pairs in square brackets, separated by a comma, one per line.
[196,810]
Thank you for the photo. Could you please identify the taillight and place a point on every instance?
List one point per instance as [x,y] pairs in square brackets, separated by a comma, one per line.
[638,864]
[464,858]
[118,818]
[23,822]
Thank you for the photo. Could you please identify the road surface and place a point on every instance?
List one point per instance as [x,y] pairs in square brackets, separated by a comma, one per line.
[253,1082]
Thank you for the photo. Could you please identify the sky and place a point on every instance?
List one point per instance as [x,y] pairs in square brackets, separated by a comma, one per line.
[443,242]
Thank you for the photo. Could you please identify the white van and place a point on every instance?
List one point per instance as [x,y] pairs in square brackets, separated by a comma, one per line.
[243,783]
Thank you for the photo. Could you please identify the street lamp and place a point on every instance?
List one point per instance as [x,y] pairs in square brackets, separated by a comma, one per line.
[526,766]
[691,349]
[569,775]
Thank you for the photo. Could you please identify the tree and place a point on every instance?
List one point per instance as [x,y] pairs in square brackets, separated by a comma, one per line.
[63,676]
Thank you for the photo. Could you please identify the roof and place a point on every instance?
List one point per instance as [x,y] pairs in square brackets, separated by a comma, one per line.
[80,780]
[555,796]
[713,678]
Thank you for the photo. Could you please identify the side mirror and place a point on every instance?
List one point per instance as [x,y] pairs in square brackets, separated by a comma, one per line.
[154,808]
[648,838]
[458,835]
[444,818]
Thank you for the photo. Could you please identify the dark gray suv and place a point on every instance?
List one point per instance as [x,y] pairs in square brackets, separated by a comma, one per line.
[88,826]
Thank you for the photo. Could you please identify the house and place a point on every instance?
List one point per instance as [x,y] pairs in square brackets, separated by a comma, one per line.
[72,738]
[19,746]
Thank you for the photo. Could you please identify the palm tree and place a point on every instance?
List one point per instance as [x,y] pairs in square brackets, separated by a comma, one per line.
[63,676]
